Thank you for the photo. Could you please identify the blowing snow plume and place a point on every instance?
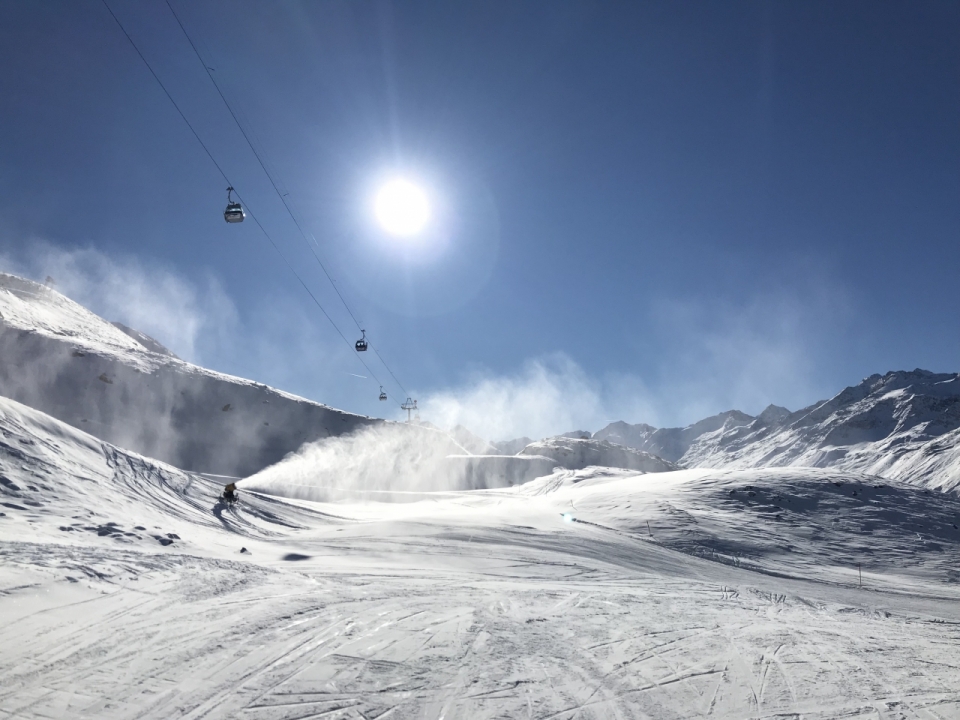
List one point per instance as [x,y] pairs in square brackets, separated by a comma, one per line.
[389,462]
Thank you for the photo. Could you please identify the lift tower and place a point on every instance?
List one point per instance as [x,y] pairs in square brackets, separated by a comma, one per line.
[410,405]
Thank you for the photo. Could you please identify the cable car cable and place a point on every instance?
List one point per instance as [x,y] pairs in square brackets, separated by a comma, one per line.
[283,199]
[224,175]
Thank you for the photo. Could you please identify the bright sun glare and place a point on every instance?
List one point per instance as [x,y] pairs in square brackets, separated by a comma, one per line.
[402,208]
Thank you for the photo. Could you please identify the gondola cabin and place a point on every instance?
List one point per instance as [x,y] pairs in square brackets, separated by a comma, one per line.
[234,212]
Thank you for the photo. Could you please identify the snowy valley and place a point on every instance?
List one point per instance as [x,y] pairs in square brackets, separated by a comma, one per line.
[790,565]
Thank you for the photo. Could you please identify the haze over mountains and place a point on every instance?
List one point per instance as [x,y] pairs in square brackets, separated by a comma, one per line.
[126,388]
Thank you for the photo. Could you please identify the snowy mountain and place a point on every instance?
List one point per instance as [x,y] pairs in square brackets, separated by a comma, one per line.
[143,339]
[573,453]
[511,447]
[128,590]
[669,443]
[124,387]
[473,444]
[903,425]
[585,578]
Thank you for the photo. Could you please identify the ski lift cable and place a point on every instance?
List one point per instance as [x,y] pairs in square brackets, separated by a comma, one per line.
[227,180]
[273,182]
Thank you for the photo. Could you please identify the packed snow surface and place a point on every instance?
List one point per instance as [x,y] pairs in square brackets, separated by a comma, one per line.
[128,590]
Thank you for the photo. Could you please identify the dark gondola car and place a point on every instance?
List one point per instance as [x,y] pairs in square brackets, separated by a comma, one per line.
[234,212]
[361,344]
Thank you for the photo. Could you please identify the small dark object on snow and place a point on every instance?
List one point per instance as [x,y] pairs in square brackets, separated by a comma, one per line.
[230,493]
[295,556]
[244,550]
[164,541]
[173,536]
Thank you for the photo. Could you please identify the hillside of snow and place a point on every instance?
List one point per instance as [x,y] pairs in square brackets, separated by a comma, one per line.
[576,453]
[127,389]
[129,590]
[902,425]
[669,443]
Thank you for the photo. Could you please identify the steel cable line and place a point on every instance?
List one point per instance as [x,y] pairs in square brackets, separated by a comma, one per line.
[227,180]
[282,196]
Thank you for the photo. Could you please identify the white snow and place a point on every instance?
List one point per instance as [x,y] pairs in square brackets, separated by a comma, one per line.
[576,453]
[554,599]
[902,425]
[611,586]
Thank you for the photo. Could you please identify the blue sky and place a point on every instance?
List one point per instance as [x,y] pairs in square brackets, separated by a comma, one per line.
[650,211]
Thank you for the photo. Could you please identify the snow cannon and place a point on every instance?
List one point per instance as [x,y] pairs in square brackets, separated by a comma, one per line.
[230,493]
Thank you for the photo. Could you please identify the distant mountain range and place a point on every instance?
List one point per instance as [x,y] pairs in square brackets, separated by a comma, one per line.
[903,425]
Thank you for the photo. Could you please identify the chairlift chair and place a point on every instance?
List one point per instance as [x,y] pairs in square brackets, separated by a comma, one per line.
[361,344]
[383,395]
[234,212]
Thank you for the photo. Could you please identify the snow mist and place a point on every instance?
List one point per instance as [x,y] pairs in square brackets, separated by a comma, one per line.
[390,462]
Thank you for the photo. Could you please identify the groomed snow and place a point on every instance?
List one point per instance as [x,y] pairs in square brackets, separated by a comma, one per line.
[551,600]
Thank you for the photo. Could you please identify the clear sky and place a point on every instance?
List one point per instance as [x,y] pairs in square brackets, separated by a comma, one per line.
[640,211]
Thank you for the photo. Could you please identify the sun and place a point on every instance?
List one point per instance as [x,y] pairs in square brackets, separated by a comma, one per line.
[402,208]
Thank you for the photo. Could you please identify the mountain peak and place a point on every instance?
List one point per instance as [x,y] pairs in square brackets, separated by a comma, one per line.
[773,414]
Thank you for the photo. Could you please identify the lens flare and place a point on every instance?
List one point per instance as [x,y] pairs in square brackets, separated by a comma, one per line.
[402,208]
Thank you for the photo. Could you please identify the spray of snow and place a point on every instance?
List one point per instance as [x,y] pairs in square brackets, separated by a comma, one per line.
[376,460]
[191,318]
[547,396]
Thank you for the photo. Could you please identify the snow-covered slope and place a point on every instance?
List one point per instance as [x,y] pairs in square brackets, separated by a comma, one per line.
[123,387]
[577,453]
[511,447]
[57,479]
[669,443]
[128,591]
[903,425]
[473,444]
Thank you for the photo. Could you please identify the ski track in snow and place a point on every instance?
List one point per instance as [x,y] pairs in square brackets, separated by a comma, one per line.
[482,604]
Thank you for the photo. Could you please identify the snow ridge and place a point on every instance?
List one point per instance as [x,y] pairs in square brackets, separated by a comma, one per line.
[903,425]
[124,387]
